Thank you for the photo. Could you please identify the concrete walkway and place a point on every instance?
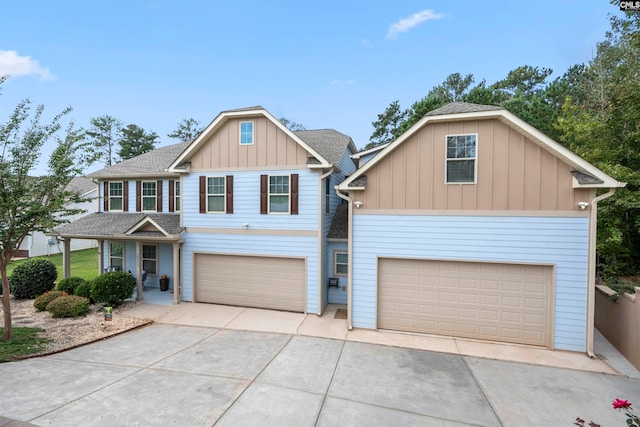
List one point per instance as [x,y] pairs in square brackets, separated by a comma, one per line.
[265,369]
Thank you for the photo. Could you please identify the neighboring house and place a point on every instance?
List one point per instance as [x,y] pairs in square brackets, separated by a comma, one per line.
[474,224]
[40,244]
[239,216]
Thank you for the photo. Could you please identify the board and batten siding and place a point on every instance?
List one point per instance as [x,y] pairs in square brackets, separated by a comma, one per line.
[558,241]
[259,245]
[513,173]
[271,147]
[246,203]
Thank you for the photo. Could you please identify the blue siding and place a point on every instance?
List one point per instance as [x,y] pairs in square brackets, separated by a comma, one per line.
[557,241]
[165,262]
[131,188]
[294,246]
[336,296]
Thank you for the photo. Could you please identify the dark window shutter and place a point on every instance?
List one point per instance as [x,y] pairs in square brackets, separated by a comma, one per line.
[229,189]
[138,196]
[172,196]
[106,196]
[294,194]
[159,196]
[203,194]
[125,196]
[264,198]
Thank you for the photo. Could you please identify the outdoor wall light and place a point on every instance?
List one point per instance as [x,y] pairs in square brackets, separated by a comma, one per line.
[358,204]
[245,225]
[583,205]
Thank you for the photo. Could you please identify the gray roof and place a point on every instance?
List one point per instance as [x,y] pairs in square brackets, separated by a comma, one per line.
[461,107]
[329,143]
[340,225]
[107,224]
[153,163]
[237,110]
[584,178]
[81,185]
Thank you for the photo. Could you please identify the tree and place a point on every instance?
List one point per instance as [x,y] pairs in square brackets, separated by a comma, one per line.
[187,130]
[34,203]
[454,87]
[387,127]
[293,126]
[104,135]
[135,141]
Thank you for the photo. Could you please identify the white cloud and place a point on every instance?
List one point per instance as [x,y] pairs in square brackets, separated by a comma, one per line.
[405,24]
[16,65]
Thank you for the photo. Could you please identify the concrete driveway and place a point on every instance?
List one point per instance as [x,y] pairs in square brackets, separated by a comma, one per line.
[196,376]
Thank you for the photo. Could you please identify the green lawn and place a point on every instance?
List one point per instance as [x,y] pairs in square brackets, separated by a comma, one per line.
[25,341]
[84,264]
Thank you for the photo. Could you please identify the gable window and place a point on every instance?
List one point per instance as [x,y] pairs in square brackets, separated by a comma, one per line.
[177,196]
[115,196]
[246,133]
[461,159]
[149,195]
[116,256]
[150,259]
[341,263]
[215,194]
[279,193]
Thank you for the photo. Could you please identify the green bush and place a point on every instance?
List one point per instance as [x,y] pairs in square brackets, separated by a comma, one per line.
[84,290]
[69,284]
[33,277]
[624,284]
[43,300]
[68,306]
[113,288]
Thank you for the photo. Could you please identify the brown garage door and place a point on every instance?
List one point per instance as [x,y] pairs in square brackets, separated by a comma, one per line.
[251,281]
[499,302]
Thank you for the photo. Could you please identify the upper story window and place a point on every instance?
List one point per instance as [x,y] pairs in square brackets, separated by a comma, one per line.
[177,196]
[327,195]
[216,194]
[246,133]
[115,196]
[461,159]
[149,193]
[279,193]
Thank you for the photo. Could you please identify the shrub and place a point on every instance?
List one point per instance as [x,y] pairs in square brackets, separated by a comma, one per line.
[84,290]
[43,300]
[69,284]
[33,277]
[68,306]
[113,288]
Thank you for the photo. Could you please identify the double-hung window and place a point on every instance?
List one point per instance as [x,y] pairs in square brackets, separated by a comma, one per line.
[116,256]
[115,196]
[327,195]
[149,193]
[150,259]
[279,193]
[246,133]
[176,196]
[461,159]
[216,194]
[341,263]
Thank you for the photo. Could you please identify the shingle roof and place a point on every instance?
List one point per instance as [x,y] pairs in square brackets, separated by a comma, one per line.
[584,179]
[340,225]
[106,224]
[152,163]
[461,107]
[329,143]
[81,185]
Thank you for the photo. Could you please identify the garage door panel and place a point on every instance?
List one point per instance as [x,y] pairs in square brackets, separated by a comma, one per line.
[501,302]
[251,281]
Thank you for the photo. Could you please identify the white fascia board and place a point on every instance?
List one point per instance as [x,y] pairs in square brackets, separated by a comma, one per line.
[144,221]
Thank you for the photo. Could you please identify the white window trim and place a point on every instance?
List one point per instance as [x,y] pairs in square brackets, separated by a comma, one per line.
[224,195]
[288,212]
[253,132]
[335,262]
[157,258]
[475,163]
[121,197]
[142,196]
[177,195]
[124,254]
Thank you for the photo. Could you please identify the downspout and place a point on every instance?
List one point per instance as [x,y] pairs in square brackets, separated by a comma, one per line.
[321,259]
[591,265]
[350,259]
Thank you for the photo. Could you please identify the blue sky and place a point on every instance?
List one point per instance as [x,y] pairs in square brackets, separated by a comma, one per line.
[324,64]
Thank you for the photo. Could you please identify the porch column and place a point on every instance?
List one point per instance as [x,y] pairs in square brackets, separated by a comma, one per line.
[176,273]
[66,257]
[100,257]
[139,269]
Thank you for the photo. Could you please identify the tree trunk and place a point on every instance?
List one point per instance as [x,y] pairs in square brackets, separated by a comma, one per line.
[6,303]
